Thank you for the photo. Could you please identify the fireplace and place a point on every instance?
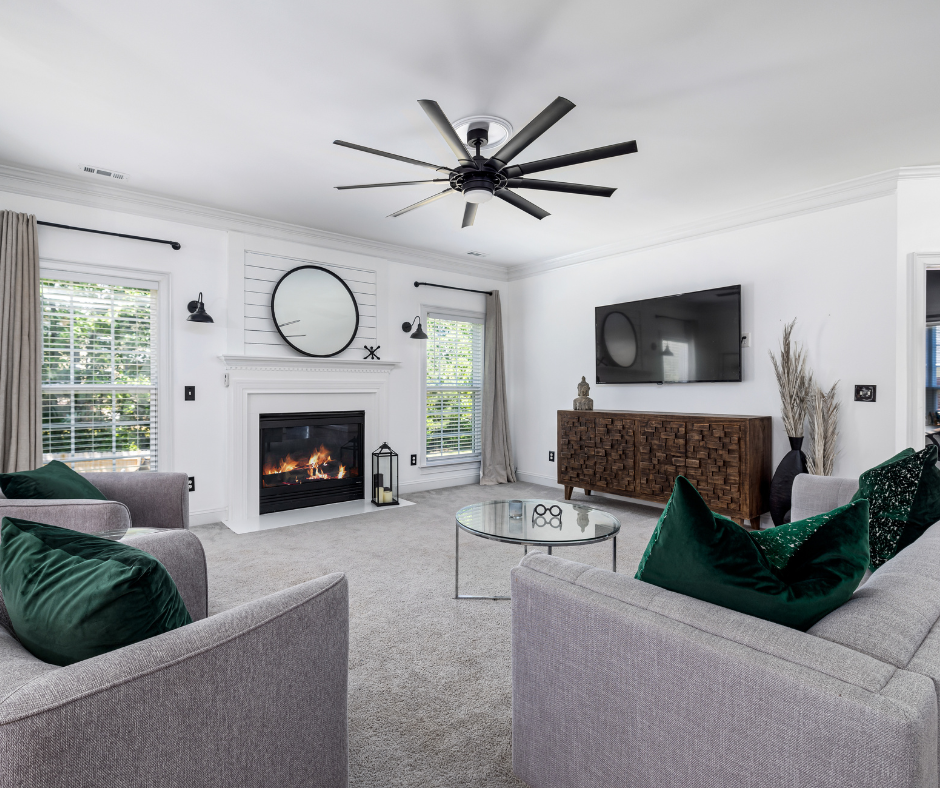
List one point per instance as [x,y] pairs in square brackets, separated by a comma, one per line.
[309,459]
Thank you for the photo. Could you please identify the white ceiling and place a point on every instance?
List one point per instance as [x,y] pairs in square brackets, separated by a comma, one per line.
[235,104]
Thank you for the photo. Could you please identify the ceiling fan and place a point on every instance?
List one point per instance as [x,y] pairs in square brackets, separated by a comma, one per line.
[479,178]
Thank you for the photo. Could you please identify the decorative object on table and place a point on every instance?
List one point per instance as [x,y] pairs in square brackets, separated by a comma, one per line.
[197,311]
[865,393]
[543,515]
[516,508]
[793,383]
[794,575]
[385,476]
[94,596]
[20,344]
[478,179]
[583,401]
[314,311]
[904,495]
[639,454]
[418,332]
[823,419]
[584,516]
[372,351]
[491,520]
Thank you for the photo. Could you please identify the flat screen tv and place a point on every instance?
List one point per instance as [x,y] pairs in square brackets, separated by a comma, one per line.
[687,338]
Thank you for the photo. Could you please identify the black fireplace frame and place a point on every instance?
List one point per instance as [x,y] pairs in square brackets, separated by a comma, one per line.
[324,491]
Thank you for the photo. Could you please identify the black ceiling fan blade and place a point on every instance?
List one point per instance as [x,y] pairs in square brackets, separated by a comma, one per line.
[559,186]
[405,159]
[422,202]
[399,183]
[522,204]
[581,157]
[534,129]
[469,214]
[443,125]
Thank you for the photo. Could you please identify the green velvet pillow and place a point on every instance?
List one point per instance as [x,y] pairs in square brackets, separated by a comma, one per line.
[794,574]
[55,480]
[904,496]
[72,596]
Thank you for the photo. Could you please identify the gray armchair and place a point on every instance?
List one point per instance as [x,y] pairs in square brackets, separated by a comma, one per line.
[142,499]
[254,696]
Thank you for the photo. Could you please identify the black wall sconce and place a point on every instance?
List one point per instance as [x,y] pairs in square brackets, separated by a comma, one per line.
[197,312]
[419,332]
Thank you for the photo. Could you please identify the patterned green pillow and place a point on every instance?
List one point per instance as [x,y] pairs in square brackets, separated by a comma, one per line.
[794,574]
[903,494]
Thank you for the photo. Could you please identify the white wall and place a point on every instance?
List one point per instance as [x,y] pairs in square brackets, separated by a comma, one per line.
[209,262]
[834,270]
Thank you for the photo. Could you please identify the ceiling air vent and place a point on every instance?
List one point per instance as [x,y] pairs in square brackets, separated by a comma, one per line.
[477,254]
[100,171]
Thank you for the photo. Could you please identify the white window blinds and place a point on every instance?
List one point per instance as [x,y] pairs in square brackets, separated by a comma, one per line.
[454,387]
[99,376]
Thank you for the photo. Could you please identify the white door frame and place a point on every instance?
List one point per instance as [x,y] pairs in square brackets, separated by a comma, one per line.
[915,321]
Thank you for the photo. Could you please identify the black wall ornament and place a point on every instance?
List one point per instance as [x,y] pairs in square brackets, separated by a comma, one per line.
[314,311]
[371,352]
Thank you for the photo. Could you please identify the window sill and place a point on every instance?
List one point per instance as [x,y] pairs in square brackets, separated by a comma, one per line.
[470,462]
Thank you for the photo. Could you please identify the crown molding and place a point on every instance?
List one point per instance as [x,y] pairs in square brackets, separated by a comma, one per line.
[869,187]
[37,183]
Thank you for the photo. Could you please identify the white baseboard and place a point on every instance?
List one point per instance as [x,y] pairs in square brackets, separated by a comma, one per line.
[440,480]
[536,478]
[206,516]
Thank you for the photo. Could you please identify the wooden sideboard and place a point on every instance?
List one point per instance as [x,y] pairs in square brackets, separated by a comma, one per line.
[639,455]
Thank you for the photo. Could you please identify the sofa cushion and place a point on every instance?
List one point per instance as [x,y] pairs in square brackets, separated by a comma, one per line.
[891,616]
[793,576]
[904,498]
[71,596]
[53,480]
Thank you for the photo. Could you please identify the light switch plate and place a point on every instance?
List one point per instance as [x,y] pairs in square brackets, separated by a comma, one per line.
[189,393]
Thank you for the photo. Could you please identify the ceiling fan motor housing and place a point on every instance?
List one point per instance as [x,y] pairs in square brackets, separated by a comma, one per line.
[478,133]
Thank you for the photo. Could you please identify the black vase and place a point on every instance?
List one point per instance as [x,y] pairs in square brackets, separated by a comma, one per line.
[781,486]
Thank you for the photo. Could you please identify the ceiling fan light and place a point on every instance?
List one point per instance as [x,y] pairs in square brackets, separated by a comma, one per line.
[478,195]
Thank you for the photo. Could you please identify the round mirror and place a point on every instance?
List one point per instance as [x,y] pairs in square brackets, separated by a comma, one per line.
[620,339]
[314,311]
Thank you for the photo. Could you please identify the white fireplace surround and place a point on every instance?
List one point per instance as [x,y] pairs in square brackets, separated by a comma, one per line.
[259,385]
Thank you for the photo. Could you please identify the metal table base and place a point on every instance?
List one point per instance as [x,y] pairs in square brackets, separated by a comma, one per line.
[525,551]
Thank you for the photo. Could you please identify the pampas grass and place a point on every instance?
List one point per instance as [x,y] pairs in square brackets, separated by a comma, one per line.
[793,382]
[823,429]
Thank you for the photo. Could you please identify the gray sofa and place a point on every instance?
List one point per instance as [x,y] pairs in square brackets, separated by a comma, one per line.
[143,499]
[254,696]
[620,683]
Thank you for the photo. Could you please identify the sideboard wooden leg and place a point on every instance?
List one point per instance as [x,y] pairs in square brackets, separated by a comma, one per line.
[568,491]
[587,491]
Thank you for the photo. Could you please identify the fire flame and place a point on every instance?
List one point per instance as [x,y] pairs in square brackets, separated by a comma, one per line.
[313,465]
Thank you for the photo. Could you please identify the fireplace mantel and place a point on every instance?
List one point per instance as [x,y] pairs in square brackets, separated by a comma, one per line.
[266,384]
[305,363]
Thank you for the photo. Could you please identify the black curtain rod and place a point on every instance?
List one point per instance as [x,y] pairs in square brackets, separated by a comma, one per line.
[173,244]
[448,287]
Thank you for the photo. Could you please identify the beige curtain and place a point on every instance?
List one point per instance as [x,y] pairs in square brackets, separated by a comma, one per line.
[20,344]
[496,466]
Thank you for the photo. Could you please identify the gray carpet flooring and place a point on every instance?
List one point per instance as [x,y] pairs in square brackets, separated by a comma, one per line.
[429,676]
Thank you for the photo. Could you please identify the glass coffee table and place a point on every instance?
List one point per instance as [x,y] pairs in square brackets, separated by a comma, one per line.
[533,522]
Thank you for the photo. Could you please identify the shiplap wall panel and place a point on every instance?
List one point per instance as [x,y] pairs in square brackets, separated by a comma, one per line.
[262,272]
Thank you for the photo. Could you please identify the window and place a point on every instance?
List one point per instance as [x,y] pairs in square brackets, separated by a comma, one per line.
[99,376]
[454,387]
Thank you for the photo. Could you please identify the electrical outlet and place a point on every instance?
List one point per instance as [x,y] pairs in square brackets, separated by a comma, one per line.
[414,459]
[192,484]
[746,339]
[189,393]
[551,456]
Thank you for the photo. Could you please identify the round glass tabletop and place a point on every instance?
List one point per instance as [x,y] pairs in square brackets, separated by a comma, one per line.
[538,522]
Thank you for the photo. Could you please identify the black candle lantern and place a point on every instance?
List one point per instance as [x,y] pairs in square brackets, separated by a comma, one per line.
[384,476]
